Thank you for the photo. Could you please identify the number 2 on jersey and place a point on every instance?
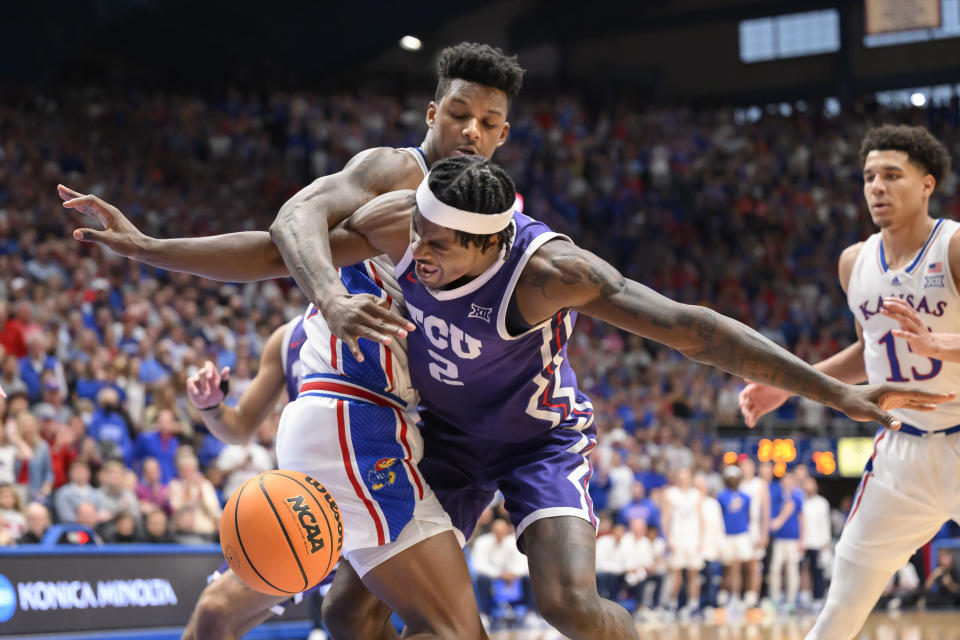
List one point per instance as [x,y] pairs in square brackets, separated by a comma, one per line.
[895,374]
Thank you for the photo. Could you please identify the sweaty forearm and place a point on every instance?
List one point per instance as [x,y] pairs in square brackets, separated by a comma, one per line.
[245,256]
[303,240]
[227,425]
[732,346]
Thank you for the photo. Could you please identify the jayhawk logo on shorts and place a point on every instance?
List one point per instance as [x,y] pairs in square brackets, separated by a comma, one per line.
[382,475]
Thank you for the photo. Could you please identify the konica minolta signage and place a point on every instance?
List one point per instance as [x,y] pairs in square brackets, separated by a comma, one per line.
[44,593]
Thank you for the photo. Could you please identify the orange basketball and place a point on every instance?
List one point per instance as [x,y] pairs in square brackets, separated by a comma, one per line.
[281,532]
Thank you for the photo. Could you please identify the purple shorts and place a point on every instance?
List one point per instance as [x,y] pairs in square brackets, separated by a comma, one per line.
[543,477]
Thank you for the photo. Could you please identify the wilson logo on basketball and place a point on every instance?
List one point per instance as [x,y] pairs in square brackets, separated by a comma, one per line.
[308,521]
[334,508]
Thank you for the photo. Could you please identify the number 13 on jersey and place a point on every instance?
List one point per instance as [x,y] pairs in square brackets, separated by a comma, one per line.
[896,375]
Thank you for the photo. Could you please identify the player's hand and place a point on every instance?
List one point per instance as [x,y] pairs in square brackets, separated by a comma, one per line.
[118,234]
[203,387]
[912,329]
[866,403]
[757,399]
[351,317]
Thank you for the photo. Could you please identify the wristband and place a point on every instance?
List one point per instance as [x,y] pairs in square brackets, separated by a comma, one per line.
[216,406]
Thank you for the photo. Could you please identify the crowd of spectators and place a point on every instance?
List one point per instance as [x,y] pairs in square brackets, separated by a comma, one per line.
[748,217]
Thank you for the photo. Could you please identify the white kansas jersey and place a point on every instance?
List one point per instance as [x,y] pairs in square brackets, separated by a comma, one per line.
[326,360]
[926,284]
[384,368]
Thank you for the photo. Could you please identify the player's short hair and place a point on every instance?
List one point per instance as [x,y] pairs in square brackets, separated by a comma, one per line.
[475,184]
[479,63]
[923,150]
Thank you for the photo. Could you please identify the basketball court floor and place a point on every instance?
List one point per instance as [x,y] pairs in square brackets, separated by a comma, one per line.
[907,626]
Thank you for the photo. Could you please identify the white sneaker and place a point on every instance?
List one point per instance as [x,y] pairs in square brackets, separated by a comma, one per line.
[317,634]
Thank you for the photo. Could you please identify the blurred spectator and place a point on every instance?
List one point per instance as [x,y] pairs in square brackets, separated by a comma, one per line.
[640,506]
[10,450]
[240,462]
[38,521]
[36,362]
[500,567]
[736,547]
[838,515]
[683,529]
[6,540]
[157,528]
[59,438]
[12,332]
[88,449]
[615,555]
[123,529]
[11,511]
[196,510]
[151,491]
[649,564]
[115,497]
[52,395]
[943,584]
[816,540]
[10,379]
[36,471]
[711,515]
[161,444]
[79,490]
[786,527]
[165,399]
[110,426]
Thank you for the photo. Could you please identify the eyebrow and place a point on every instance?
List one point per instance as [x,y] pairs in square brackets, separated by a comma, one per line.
[889,167]
[464,103]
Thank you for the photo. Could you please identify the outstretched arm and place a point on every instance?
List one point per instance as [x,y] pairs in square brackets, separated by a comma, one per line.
[846,365]
[236,425]
[232,257]
[561,275]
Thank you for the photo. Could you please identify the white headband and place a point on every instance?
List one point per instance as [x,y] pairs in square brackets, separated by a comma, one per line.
[446,216]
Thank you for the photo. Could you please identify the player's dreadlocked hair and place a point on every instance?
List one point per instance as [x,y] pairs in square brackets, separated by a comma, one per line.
[480,63]
[919,144]
[475,184]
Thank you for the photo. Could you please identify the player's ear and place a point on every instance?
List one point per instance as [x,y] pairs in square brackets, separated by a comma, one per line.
[929,184]
[432,114]
[503,134]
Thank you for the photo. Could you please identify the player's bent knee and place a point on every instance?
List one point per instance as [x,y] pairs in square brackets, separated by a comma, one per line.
[214,617]
[567,608]
[348,618]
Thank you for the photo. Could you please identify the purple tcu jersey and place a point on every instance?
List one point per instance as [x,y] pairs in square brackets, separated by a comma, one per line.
[294,338]
[471,372]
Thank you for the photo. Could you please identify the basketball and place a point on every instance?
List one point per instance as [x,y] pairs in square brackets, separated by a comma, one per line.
[281,532]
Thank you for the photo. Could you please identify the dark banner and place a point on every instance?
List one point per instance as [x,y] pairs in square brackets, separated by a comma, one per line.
[84,591]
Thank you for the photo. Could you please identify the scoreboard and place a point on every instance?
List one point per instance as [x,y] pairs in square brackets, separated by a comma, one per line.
[819,454]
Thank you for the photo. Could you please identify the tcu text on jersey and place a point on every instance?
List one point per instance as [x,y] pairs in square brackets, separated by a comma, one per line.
[449,338]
